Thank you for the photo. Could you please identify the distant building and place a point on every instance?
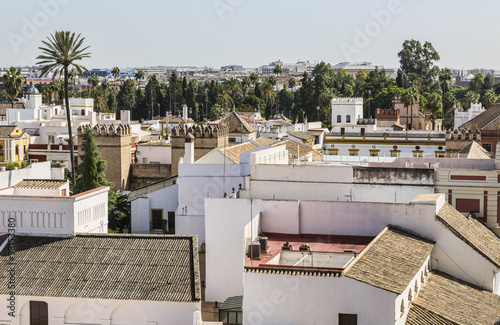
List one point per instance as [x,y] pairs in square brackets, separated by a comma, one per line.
[354,68]
[461,118]
[232,68]
[103,73]
[13,144]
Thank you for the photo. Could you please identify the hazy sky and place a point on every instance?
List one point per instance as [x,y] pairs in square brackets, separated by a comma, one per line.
[254,32]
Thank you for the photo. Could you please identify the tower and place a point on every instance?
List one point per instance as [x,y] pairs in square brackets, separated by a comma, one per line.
[114,144]
[206,138]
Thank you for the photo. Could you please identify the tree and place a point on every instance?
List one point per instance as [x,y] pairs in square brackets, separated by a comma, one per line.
[115,72]
[13,81]
[269,96]
[292,83]
[118,210]
[445,76]
[434,106]
[300,118]
[278,70]
[139,76]
[489,98]
[73,76]
[470,97]
[216,112]
[126,95]
[61,51]
[477,82]
[409,97]
[93,80]
[91,169]
[420,60]
[254,77]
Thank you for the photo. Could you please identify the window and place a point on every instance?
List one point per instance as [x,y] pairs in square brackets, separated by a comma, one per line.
[374,152]
[354,152]
[348,119]
[348,319]
[402,308]
[395,153]
[17,150]
[51,139]
[231,317]
[339,119]
[145,160]
[333,152]
[1,151]
[410,297]
[39,313]
[487,146]
[418,153]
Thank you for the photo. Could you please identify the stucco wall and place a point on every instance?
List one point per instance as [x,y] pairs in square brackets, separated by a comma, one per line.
[34,171]
[103,311]
[295,300]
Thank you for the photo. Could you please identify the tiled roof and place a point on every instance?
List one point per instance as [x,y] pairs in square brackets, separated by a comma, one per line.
[288,271]
[176,120]
[264,141]
[142,191]
[446,300]
[303,135]
[391,260]
[106,266]
[6,131]
[155,144]
[237,125]
[291,146]
[46,184]
[482,120]
[474,150]
[471,231]
[234,152]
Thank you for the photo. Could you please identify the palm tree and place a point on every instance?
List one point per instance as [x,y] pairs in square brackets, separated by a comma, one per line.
[489,98]
[408,98]
[445,76]
[225,97]
[139,75]
[73,75]
[93,80]
[60,52]
[434,105]
[254,77]
[115,72]
[269,95]
[13,81]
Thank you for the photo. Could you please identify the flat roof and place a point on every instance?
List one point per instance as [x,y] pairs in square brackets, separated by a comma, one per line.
[317,243]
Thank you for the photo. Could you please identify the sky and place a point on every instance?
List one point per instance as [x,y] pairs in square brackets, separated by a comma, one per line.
[127,33]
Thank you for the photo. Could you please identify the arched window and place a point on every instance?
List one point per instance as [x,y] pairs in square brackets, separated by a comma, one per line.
[416,287]
[348,119]
[339,119]
[17,150]
[402,308]
[422,277]
[1,151]
[410,297]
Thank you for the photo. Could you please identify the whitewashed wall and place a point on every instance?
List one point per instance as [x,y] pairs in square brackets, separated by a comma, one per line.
[34,171]
[64,310]
[273,299]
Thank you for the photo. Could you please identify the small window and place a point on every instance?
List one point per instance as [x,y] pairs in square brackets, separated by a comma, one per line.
[339,119]
[348,119]
[395,153]
[1,151]
[348,319]
[17,150]
[374,152]
[402,308]
[487,146]
[145,160]
[39,313]
[418,153]
[410,296]
[354,152]
[51,139]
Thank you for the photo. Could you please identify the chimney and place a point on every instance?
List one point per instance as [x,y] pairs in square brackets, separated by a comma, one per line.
[125,117]
[189,149]
[184,112]
[18,117]
[92,119]
[497,157]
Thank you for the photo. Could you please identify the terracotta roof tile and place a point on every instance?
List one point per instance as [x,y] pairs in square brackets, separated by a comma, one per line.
[234,152]
[391,260]
[46,184]
[447,300]
[482,120]
[471,231]
[137,267]
[238,125]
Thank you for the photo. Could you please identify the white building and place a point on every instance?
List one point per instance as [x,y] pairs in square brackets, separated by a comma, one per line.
[381,285]
[154,152]
[464,117]
[45,208]
[101,279]
[346,110]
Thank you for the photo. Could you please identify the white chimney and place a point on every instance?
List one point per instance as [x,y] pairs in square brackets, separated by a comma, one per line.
[92,119]
[49,114]
[184,112]
[18,117]
[125,116]
[497,157]
[189,149]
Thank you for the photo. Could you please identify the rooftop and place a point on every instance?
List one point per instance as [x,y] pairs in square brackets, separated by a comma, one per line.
[447,300]
[339,249]
[106,266]
[237,124]
[45,184]
[471,231]
[391,260]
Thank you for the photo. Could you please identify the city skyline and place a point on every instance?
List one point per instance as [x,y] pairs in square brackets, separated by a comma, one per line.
[223,32]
